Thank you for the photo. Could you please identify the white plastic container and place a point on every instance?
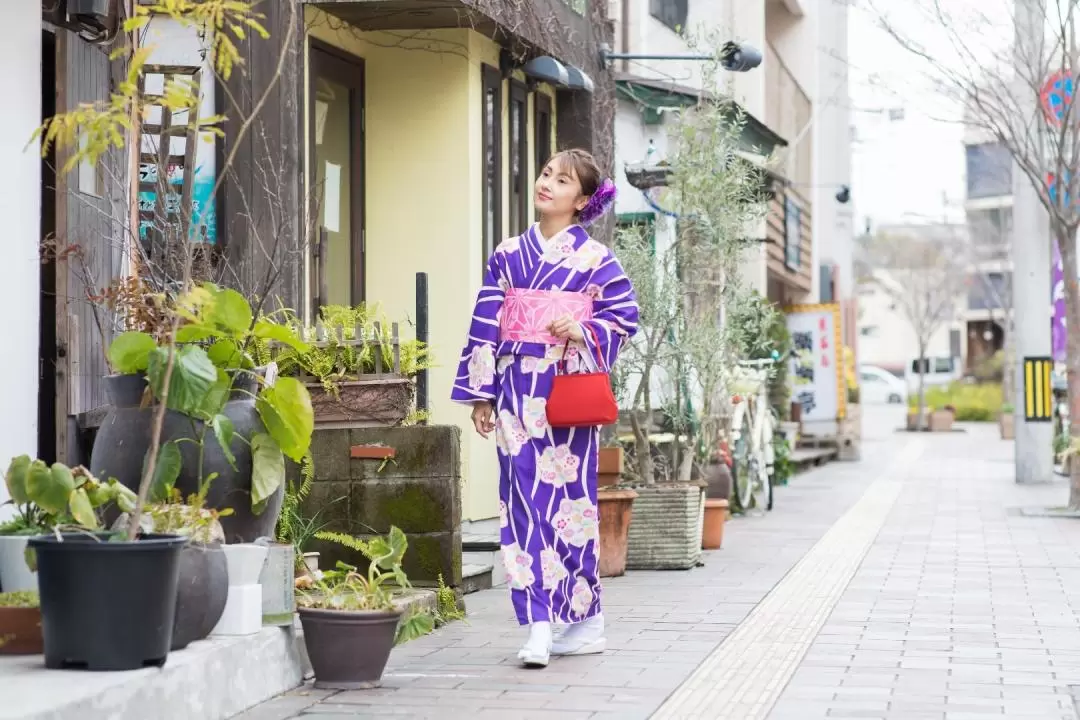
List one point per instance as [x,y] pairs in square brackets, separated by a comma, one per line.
[14,573]
[243,611]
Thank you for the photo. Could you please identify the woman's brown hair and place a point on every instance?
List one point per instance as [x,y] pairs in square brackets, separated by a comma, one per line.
[584,166]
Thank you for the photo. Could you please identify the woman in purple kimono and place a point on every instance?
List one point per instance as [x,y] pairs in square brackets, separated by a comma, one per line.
[551,285]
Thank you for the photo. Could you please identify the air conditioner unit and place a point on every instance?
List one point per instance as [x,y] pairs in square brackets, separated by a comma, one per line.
[89,15]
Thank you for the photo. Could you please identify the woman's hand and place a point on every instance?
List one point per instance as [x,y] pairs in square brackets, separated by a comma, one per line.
[482,413]
[566,328]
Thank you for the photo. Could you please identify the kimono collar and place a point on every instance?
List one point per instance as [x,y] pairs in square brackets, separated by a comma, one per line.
[576,232]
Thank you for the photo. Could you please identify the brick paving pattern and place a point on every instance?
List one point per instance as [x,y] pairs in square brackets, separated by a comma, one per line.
[884,590]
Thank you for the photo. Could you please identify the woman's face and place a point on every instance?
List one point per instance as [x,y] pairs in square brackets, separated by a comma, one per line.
[558,190]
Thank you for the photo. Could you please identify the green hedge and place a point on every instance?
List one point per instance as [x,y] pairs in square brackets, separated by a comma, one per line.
[973,402]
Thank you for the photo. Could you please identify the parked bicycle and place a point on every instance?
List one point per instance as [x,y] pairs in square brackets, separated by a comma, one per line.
[753,424]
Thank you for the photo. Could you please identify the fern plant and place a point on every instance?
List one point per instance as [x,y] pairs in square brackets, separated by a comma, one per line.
[346,588]
[342,360]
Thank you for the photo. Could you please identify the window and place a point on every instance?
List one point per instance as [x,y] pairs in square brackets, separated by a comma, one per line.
[644,222]
[989,170]
[542,128]
[492,149]
[519,180]
[792,234]
[870,378]
[672,13]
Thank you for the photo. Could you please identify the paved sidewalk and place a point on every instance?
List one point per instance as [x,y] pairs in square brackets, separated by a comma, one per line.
[962,609]
[904,586]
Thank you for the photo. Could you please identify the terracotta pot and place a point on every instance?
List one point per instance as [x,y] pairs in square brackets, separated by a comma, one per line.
[20,631]
[712,531]
[616,509]
[609,466]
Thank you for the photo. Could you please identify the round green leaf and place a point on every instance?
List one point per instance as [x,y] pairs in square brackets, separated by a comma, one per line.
[285,409]
[166,471]
[267,330]
[192,378]
[15,479]
[229,311]
[225,354]
[125,497]
[130,352]
[224,431]
[82,510]
[267,470]
[49,490]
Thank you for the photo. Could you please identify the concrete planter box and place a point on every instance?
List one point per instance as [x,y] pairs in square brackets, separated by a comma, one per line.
[665,532]
[936,421]
[363,403]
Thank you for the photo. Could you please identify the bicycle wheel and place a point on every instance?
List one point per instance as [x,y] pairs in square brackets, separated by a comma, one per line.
[768,464]
[742,476]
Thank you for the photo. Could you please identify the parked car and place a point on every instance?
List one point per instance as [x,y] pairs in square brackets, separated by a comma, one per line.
[877,385]
[937,370]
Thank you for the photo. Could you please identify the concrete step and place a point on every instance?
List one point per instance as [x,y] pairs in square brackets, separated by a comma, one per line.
[806,458]
[211,679]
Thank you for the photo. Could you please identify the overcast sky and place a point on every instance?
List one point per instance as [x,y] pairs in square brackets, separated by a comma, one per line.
[909,169]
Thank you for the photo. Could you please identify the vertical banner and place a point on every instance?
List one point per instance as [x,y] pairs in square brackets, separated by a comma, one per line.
[815,371]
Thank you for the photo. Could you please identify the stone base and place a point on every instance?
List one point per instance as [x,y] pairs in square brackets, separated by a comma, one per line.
[367,479]
[211,679]
[665,532]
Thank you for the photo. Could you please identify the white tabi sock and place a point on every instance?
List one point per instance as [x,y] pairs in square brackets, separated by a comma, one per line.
[583,638]
[537,649]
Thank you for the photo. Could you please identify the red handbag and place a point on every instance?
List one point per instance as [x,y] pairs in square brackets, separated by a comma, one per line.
[581,400]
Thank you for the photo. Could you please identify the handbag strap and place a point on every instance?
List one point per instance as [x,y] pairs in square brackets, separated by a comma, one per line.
[596,341]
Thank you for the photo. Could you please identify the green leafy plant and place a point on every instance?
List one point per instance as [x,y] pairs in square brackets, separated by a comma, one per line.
[214,349]
[1008,408]
[346,588]
[19,599]
[970,402]
[294,527]
[47,497]
[447,608]
[342,359]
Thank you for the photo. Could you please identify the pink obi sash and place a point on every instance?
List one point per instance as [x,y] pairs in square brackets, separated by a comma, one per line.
[527,314]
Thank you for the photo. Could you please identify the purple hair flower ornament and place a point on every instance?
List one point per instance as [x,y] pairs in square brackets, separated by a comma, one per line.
[599,203]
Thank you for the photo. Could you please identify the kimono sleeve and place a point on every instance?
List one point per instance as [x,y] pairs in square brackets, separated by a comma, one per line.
[475,379]
[615,314]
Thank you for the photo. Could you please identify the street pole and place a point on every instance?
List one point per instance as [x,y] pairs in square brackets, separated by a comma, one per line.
[1031,258]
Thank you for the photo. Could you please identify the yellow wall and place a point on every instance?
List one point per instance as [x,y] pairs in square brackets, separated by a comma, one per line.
[424,182]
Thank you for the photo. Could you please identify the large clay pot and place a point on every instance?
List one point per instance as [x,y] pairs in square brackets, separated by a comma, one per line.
[712,532]
[121,444]
[201,592]
[616,510]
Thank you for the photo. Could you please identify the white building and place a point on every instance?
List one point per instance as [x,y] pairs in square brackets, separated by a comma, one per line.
[797,106]
[20,205]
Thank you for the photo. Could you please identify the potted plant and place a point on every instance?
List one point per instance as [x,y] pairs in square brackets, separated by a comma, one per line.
[1006,420]
[716,514]
[615,506]
[203,577]
[46,497]
[349,617]
[225,419]
[20,623]
[354,366]
[85,621]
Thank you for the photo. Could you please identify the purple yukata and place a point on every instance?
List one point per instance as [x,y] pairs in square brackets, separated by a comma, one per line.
[547,482]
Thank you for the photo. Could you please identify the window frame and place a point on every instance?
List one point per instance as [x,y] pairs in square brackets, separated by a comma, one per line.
[491,139]
[519,93]
[542,132]
[675,11]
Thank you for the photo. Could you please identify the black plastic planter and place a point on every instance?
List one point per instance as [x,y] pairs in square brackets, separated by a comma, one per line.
[107,605]
[348,649]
